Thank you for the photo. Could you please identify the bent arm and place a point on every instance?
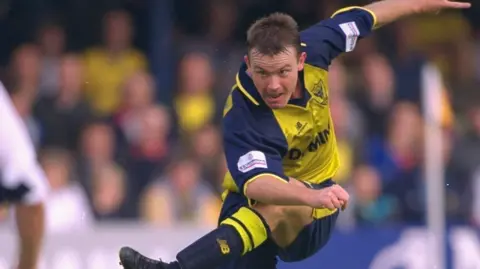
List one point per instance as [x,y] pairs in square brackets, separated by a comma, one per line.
[269,189]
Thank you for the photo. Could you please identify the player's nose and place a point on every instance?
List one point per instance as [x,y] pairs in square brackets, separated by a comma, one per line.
[274,83]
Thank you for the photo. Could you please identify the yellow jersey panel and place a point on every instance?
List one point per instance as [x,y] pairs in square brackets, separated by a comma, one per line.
[312,151]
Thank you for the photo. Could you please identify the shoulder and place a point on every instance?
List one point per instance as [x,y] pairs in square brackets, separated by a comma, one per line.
[330,37]
[251,125]
[242,114]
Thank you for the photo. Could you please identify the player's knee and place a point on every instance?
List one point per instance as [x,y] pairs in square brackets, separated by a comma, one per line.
[251,226]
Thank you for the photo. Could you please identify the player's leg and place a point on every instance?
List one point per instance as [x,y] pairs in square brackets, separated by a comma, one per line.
[24,185]
[263,257]
[289,221]
[30,226]
[312,237]
[238,234]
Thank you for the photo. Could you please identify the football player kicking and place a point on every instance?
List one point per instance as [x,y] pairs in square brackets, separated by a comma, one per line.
[280,198]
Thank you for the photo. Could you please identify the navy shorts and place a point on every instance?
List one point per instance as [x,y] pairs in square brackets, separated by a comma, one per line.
[310,240]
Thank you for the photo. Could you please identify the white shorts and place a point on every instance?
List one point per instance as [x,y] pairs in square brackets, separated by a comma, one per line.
[21,178]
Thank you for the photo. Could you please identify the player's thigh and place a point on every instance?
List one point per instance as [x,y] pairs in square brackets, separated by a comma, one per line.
[285,222]
[263,257]
[312,238]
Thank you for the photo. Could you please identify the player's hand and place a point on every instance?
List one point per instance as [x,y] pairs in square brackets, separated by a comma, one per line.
[427,6]
[331,198]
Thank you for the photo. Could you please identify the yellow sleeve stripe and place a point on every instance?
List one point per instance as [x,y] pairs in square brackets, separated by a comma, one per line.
[242,89]
[245,186]
[358,7]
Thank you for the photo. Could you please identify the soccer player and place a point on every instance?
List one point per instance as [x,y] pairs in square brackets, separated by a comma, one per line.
[280,199]
[22,182]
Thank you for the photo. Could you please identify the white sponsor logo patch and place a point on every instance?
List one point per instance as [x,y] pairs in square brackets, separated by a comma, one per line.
[251,160]
[351,35]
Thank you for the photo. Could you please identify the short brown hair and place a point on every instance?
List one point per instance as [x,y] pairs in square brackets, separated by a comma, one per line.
[272,34]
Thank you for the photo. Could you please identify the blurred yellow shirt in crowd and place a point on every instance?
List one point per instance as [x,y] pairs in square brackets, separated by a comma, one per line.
[345,153]
[105,76]
[194,111]
[439,37]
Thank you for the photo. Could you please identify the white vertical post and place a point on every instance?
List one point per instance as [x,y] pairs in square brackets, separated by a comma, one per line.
[432,87]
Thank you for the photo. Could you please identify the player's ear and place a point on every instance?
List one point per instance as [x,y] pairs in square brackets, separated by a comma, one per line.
[301,60]
[247,61]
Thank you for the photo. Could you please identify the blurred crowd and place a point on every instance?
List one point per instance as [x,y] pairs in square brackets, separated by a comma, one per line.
[113,150]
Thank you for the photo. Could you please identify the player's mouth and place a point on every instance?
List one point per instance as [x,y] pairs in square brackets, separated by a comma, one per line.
[274,97]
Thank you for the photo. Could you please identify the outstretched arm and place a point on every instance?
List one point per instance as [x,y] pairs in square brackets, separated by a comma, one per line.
[329,38]
[387,11]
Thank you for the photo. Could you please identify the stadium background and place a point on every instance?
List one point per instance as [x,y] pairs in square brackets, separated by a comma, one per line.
[123,98]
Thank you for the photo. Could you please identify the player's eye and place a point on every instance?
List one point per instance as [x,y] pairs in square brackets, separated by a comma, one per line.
[284,72]
[262,73]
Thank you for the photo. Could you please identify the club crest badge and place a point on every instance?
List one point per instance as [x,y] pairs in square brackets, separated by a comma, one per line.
[320,93]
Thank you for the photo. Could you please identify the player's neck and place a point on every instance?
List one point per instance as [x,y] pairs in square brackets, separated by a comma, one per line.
[298,93]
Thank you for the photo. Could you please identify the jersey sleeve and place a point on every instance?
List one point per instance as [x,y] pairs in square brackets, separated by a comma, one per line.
[250,154]
[329,38]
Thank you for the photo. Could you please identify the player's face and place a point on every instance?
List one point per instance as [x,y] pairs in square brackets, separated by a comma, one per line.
[275,77]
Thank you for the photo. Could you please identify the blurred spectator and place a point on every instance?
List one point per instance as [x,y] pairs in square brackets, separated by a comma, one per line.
[23,102]
[24,78]
[376,97]
[63,114]
[97,148]
[225,50]
[149,152]
[346,119]
[207,148]
[467,160]
[138,95]
[223,18]
[51,41]
[25,70]
[181,196]
[67,206]
[108,192]
[371,206]
[398,159]
[108,65]
[442,45]
[400,150]
[468,146]
[458,187]
[194,103]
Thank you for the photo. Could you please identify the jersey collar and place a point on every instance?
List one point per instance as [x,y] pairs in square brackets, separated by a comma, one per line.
[246,86]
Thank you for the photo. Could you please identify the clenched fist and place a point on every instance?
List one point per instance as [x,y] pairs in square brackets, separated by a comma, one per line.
[331,197]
